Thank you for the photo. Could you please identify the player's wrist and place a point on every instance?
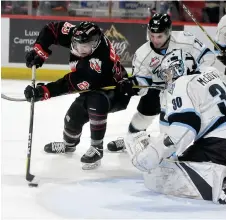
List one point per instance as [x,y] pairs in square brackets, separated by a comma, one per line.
[43,92]
[44,54]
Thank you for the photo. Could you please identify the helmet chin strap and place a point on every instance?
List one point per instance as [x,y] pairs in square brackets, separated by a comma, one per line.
[165,45]
[94,48]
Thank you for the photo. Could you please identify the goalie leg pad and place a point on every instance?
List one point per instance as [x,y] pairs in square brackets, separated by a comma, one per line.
[187,179]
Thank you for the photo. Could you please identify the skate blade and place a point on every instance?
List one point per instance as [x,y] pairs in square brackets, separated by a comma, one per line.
[91,166]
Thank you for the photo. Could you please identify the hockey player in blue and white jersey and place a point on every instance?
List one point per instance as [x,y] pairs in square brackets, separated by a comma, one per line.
[196,112]
[146,69]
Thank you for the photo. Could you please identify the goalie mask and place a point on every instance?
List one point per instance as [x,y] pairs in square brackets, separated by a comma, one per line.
[86,38]
[176,64]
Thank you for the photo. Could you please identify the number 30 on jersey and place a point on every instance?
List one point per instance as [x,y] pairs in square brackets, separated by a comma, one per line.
[177,103]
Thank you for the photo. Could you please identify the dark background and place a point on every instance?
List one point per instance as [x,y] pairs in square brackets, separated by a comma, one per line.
[131,36]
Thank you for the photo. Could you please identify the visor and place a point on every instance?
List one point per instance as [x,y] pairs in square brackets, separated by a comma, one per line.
[84,48]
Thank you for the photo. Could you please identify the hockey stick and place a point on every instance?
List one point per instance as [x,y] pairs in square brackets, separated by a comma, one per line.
[30,177]
[3,96]
[200,26]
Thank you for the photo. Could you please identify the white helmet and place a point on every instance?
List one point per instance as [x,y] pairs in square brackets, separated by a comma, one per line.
[176,64]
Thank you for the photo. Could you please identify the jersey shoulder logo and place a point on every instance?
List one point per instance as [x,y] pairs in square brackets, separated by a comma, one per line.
[95,64]
[66,28]
[83,85]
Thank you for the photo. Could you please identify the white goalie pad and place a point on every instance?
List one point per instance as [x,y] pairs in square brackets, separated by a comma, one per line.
[187,179]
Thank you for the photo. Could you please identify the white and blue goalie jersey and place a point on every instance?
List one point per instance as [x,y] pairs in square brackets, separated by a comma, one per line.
[196,108]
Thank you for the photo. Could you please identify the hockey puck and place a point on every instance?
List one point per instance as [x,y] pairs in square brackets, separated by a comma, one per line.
[33,184]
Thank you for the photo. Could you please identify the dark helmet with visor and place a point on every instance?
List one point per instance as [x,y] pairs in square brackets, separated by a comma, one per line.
[160,23]
[87,35]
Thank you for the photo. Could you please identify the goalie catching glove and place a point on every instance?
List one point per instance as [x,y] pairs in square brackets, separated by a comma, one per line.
[39,93]
[143,155]
[145,152]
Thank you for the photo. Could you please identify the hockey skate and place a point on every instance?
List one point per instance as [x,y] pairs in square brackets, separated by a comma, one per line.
[117,145]
[92,158]
[59,148]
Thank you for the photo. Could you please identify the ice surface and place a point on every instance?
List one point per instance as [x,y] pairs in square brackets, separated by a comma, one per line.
[115,190]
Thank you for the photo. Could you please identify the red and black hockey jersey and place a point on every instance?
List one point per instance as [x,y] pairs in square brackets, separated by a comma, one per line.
[101,68]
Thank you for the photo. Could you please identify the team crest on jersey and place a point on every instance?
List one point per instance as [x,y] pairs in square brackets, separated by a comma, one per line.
[95,64]
[154,62]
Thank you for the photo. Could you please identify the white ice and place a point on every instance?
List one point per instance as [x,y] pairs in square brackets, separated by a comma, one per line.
[114,190]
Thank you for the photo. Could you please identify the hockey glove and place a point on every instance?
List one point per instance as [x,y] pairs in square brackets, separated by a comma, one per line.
[142,153]
[39,93]
[37,56]
[125,86]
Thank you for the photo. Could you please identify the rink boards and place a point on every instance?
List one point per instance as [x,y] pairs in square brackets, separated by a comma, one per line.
[126,36]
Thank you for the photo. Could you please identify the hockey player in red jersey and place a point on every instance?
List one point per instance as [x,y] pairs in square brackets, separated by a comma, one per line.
[94,64]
